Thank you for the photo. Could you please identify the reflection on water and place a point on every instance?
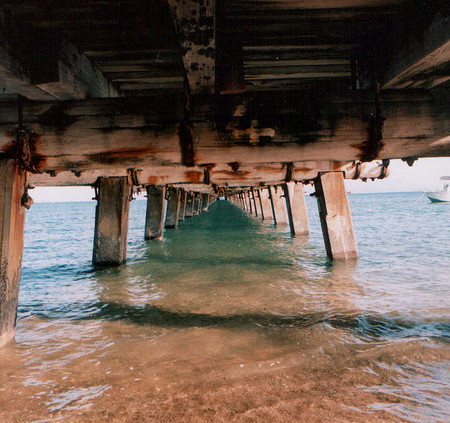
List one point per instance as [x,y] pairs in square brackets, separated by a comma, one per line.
[229,319]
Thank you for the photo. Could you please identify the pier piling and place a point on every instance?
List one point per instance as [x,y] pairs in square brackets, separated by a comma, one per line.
[173,208]
[12,183]
[279,206]
[111,221]
[296,208]
[156,208]
[335,217]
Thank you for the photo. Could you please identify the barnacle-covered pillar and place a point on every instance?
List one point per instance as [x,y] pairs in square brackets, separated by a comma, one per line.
[156,210]
[335,217]
[12,189]
[111,221]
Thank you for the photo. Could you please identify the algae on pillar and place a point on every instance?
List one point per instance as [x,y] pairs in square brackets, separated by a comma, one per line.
[297,213]
[12,188]
[156,209]
[111,221]
[335,217]
[173,208]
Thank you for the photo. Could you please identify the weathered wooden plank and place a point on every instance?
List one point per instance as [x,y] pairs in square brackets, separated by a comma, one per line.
[194,21]
[51,69]
[66,73]
[15,77]
[425,62]
[143,132]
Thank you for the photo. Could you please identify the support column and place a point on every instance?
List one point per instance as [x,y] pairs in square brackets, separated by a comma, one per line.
[12,220]
[189,205]
[156,210]
[182,215]
[266,203]
[249,201]
[279,206]
[173,208]
[296,208]
[261,210]
[253,199]
[111,221]
[335,217]
[204,202]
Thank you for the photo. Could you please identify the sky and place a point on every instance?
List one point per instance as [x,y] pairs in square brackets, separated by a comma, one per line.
[422,176]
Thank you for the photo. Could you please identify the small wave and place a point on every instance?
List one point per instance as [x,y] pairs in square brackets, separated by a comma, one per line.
[365,326]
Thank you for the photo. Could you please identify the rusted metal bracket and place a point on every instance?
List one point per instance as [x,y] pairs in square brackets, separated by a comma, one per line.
[289,171]
[357,170]
[385,164]
[133,175]
[96,189]
[25,141]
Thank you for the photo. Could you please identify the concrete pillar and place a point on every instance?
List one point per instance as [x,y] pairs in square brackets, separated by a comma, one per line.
[260,205]
[335,217]
[156,210]
[173,208]
[272,204]
[249,202]
[204,200]
[296,208]
[12,188]
[266,203]
[279,206]
[111,221]
[182,214]
[189,205]
[253,199]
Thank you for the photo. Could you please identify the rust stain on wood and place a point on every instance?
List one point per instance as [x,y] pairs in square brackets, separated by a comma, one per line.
[193,176]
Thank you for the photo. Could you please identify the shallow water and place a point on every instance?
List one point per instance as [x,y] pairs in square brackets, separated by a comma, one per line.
[229,319]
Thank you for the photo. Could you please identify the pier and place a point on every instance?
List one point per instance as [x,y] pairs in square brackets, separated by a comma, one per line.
[196,100]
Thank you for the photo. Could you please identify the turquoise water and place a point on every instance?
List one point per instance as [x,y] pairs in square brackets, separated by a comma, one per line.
[231,319]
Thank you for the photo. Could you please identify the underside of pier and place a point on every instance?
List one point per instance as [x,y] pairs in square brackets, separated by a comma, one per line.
[197,99]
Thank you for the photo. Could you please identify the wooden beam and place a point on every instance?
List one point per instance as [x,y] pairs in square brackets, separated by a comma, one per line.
[107,134]
[423,63]
[50,68]
[15,77]
[58,68]
[194,21]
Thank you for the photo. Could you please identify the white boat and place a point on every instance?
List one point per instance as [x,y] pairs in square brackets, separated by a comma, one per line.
[440,196]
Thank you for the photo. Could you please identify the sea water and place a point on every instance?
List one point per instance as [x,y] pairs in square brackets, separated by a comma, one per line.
[229,319]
